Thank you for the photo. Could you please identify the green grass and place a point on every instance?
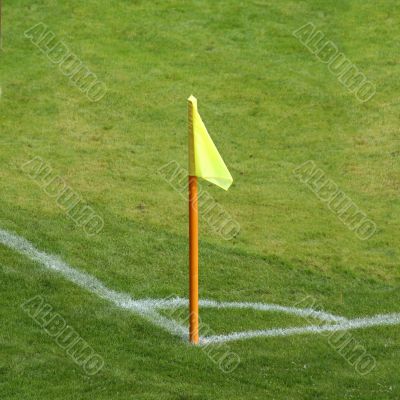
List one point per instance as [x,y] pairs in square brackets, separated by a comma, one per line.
[270,106]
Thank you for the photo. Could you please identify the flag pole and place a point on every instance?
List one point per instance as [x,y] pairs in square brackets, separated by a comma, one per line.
[193,242]
[1,28]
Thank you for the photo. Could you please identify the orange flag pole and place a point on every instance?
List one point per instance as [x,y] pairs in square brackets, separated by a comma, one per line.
[193,243]
[1,30]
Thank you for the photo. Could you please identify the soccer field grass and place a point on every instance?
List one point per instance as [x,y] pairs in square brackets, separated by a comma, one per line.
[270,106]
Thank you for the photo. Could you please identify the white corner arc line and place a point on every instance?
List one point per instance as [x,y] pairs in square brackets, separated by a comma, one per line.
[148,308]
[204,303]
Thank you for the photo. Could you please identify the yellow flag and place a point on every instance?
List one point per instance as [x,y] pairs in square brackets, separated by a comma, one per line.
[204,159]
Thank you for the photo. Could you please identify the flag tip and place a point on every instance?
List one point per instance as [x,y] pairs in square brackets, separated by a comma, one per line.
[192,99]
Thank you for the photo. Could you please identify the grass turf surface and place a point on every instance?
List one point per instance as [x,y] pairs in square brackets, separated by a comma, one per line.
[270,106]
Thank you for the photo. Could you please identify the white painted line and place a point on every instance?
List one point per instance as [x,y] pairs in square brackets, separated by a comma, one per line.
[300,312]
[357,323]
[148,308]
[90,283]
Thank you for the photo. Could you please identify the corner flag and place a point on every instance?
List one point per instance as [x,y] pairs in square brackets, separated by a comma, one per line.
[204,162]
